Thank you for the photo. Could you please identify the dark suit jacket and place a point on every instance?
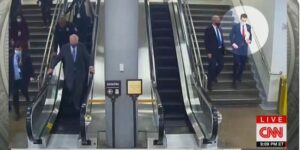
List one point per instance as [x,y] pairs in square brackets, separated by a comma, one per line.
[73,71]
[61,34]
[211,42]
[22,27]
[237,38]
[26,67]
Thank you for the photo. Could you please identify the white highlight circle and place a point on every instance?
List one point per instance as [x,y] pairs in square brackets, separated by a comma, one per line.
[257,21]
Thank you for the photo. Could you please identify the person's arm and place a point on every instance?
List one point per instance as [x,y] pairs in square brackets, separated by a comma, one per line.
[30,67]
[57,58]
[89,62]
[250,36]
[207,42]
[71,6]
[233,37]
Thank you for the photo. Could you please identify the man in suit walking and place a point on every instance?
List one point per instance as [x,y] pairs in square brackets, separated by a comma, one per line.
[76,65]
[214,45]
[20,73]
[240,37]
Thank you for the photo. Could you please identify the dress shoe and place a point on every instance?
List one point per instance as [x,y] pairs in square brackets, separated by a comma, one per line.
[17,117]
[234,85]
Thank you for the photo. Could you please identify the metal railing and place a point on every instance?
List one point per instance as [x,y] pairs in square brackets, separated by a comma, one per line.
[89,91]
[158,105]
[192,42]
[209,118]
[49,43]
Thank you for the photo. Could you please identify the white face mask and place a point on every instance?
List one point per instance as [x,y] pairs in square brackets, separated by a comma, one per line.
[19,19]
[17,51]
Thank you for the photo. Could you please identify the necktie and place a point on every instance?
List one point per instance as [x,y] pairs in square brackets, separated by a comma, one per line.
[243,30]
[74,53]
[218,37]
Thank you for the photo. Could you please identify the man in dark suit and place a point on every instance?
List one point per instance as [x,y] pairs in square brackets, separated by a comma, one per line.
[240,37]
[80,19]
[20,74]
[62,32]
[76,65]
[214,45]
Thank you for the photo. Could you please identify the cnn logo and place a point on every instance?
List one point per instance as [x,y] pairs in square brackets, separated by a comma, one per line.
[271,128]
[267,132]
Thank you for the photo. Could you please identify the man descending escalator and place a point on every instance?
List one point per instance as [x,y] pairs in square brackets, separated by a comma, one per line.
[76,65]
[214,45]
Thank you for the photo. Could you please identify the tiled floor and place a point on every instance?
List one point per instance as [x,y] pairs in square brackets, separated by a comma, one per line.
[237,128]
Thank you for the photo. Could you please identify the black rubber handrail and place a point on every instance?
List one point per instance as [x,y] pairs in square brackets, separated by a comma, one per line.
[213,111]
[29,118]
[160,109]
[84,140]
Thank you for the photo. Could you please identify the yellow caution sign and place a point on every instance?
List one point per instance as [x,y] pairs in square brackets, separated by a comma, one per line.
[282,99]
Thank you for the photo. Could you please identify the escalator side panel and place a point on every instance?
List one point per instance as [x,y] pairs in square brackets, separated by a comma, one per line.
[176,120]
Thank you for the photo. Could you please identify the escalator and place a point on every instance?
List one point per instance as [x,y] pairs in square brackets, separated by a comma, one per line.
[167,73]
[52,117]
[181,106]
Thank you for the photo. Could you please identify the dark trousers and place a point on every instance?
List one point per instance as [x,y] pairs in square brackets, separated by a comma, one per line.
[215,66]
[46,13]
[239,63]
[73,96]
[23,86]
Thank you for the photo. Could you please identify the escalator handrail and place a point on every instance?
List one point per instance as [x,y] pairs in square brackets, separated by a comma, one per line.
[200,90]
[193,40]
[48,48]
[160,108]
[32,107]
[84,140]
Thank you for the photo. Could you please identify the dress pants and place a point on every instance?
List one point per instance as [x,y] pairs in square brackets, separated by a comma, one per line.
[238,66]
[23,86]
[215,66]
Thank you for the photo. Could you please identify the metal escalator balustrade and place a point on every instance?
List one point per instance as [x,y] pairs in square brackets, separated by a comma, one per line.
[197,102]
[37,37]
[167,73]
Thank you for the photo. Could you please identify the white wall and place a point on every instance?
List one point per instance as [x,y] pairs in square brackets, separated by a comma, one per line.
[275,49]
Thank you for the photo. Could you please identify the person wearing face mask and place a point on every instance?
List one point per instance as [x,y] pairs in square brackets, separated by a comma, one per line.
[214,45]
[62,32]
[240,37]
[76,65]
[20,74]
[19,32]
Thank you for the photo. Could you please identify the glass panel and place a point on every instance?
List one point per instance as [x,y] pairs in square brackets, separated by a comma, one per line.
[44,105]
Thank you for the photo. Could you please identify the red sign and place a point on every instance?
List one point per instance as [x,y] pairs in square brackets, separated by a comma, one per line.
[271,131]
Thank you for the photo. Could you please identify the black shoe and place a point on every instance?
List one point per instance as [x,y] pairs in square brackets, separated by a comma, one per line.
[17,117]
[216,80]
[209,88]
[234,85]
[240,81]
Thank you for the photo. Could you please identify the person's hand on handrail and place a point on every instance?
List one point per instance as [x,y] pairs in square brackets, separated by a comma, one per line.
[50,71]
[92,70]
